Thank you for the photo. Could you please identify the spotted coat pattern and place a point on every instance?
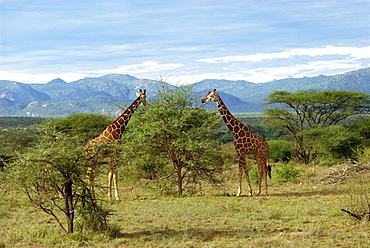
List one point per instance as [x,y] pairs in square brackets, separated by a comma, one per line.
[245,142]
[112,133]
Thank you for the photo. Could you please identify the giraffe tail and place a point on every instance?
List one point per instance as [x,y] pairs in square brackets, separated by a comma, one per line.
[269,170]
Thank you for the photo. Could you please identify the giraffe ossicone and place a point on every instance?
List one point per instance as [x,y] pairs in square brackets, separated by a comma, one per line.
[245,142]
[111,136]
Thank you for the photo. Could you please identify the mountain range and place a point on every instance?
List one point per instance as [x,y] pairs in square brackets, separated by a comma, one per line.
[107,93]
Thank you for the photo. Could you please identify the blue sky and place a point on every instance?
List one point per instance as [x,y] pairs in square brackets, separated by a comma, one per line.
[182,41]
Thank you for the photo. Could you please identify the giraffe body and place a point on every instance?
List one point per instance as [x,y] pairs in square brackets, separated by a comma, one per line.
[111,136]
[245,142]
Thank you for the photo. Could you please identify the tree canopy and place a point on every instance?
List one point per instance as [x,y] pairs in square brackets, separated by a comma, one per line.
[173,129]
[53,176]
[82,125]
[310,109]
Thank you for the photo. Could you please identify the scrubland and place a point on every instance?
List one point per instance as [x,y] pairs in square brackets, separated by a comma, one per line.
[303,213]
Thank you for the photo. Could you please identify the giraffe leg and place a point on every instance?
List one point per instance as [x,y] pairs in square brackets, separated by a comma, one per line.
[110,178]
[262,169]
[115,183]
[90,179]
[265,178]
[240,180]
[248,180]
[260,176]
[243,168]
[265,171]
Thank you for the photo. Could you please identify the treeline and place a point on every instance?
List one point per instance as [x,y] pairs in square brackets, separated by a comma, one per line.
[9,122]
[18,133]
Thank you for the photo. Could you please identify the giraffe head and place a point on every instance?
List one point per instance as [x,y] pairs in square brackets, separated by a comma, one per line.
[211,96]
[141,95]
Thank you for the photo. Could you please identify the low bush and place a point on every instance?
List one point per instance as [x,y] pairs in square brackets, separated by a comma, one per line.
[286,172]
[280,150]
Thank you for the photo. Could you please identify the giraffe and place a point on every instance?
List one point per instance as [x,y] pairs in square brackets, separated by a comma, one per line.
[112,133]
[245,142]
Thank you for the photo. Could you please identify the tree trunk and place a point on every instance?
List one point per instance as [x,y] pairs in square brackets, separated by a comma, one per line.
[179,181]
[303,154]
[68,202]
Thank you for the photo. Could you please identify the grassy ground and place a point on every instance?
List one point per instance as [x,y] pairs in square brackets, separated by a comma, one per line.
[299,214]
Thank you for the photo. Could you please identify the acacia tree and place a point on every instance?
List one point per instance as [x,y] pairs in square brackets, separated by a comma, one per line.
[306,109]
[52,175]
[84,126]
[174,129]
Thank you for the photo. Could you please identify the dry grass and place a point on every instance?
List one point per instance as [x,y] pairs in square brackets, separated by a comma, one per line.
[292,215]
[342,173]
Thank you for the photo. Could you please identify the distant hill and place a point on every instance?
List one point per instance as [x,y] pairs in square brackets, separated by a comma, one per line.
[358,80]
[103,94]
[91,95]
[15,96]
[124,86]
[233,103]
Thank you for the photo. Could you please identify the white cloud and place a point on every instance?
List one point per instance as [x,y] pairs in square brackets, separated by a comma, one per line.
[189,79]
[186,49]
[257,68]
[135,70]
[355,52]
[310,69]
[147,66]
[244,58]
[36,78]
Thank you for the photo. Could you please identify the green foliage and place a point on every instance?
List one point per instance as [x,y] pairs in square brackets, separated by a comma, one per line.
[362,126]
[172,130]
[334,141]
[314,108]
[53,177]
[280,150]
[6,122]
[17,140]
[310,109]
[93,217]
[83,126]
[17,134]
[286,172]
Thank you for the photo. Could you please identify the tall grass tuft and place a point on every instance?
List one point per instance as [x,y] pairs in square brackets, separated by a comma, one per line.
[93,217]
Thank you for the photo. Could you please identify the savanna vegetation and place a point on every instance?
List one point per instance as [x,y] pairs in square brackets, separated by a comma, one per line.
[178,177]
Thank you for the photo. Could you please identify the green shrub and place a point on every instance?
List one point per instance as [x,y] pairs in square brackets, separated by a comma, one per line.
[280,150]
[286,173]
[93,217]
[362,127]
[334,142]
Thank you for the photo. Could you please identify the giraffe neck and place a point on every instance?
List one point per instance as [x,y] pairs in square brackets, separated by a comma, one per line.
[115,130]
[228,118]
